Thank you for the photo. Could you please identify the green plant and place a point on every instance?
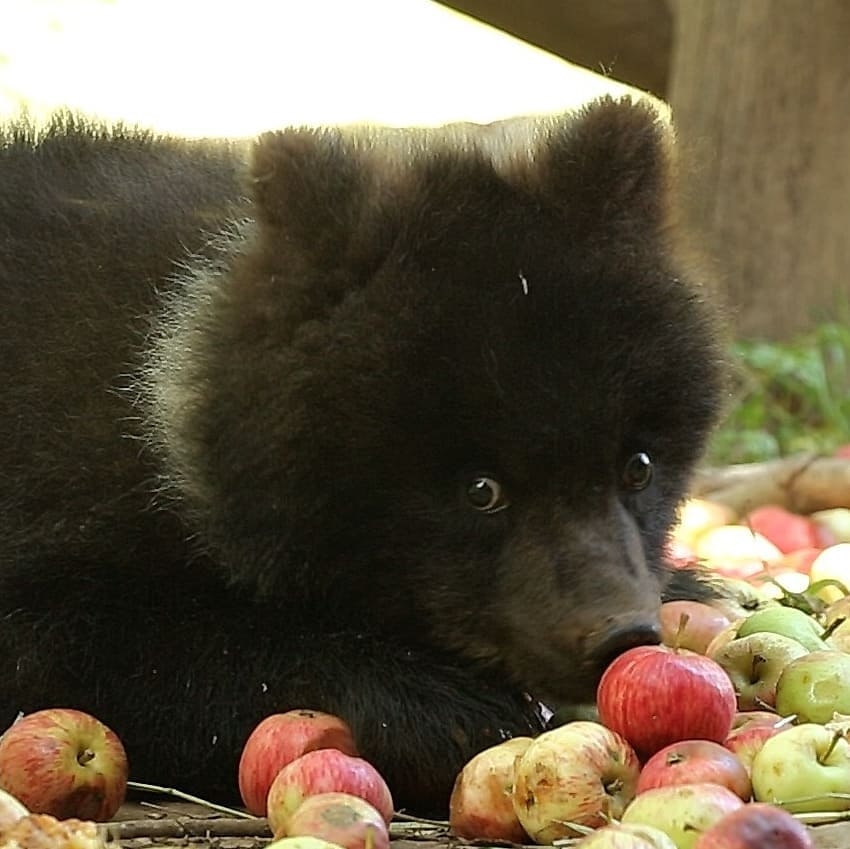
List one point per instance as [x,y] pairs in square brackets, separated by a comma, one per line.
[787,398]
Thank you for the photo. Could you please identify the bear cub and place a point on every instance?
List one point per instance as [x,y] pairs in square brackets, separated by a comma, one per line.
[387,423]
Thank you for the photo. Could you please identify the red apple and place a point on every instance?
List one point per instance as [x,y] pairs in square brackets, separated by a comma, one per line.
[325,771]
[481,805]
[746,718]
[756,826]
[682,811]
[690,624]
[278,740]
[695,762]
[747,738]
[786,530]
[340,818]
[65,763]
[580,773]
[11,810]
[843,451]
[654,696]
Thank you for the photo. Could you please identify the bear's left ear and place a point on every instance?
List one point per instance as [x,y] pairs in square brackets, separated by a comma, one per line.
[610,163]
[312,187]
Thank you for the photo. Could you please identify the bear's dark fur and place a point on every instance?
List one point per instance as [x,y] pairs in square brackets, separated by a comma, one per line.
[387,423]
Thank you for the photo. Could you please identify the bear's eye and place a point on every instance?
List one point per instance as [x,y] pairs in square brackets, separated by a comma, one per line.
[486,494]
[637,472]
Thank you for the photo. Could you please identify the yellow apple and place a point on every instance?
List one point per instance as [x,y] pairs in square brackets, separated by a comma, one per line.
[698,515]
[832,562]
[736,551]
[800,766]
[836,521]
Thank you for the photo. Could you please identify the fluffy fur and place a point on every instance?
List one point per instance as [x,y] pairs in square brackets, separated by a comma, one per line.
[387,423]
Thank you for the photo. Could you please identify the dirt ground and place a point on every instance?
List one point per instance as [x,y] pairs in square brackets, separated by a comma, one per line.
[156,823]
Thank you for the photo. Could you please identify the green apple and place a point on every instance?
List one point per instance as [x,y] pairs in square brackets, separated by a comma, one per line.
[754,664]
[815,686]
[787,621]
[798,767]
[682,811]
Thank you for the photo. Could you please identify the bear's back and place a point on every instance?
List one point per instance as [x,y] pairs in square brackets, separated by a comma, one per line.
[94,223]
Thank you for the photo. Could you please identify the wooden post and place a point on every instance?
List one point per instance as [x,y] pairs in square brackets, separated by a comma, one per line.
[760,91]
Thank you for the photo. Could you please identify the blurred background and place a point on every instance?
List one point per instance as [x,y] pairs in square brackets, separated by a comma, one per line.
[759,93]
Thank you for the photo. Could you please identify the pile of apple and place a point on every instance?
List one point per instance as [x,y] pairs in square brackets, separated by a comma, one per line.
[302,771]
[770,547]
[715,738]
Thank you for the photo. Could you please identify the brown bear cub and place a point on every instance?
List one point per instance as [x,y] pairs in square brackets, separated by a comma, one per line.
[387,423]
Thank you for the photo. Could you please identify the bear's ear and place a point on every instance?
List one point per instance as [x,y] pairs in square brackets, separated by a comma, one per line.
[312,187]
[611,163]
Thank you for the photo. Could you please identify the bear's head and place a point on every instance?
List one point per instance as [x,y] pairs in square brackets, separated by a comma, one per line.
[449,384]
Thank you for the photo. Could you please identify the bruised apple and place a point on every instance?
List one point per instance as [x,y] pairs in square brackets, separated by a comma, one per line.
[756,826]
[695,762]
[340,818]
[278,740]
[64,763]
[302,842]
[43,831]
[683,811]
[325,771]
[580,773]
[624,835]
[481,805]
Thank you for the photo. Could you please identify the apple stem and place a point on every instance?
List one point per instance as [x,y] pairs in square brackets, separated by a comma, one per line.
[835,738]
[613,787]
[84,756]
[758,660]
[680,631]
[828,631]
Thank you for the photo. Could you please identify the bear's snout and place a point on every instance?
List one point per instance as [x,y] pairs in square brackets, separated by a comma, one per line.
[605,646]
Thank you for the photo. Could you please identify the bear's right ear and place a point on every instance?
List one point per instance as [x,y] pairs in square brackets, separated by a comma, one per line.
[311,186]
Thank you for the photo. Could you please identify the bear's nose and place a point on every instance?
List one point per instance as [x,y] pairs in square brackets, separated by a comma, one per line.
[612,643]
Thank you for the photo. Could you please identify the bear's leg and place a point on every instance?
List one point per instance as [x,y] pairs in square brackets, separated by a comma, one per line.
[183,668]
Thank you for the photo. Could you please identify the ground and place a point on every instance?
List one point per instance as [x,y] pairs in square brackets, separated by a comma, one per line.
[154,823]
